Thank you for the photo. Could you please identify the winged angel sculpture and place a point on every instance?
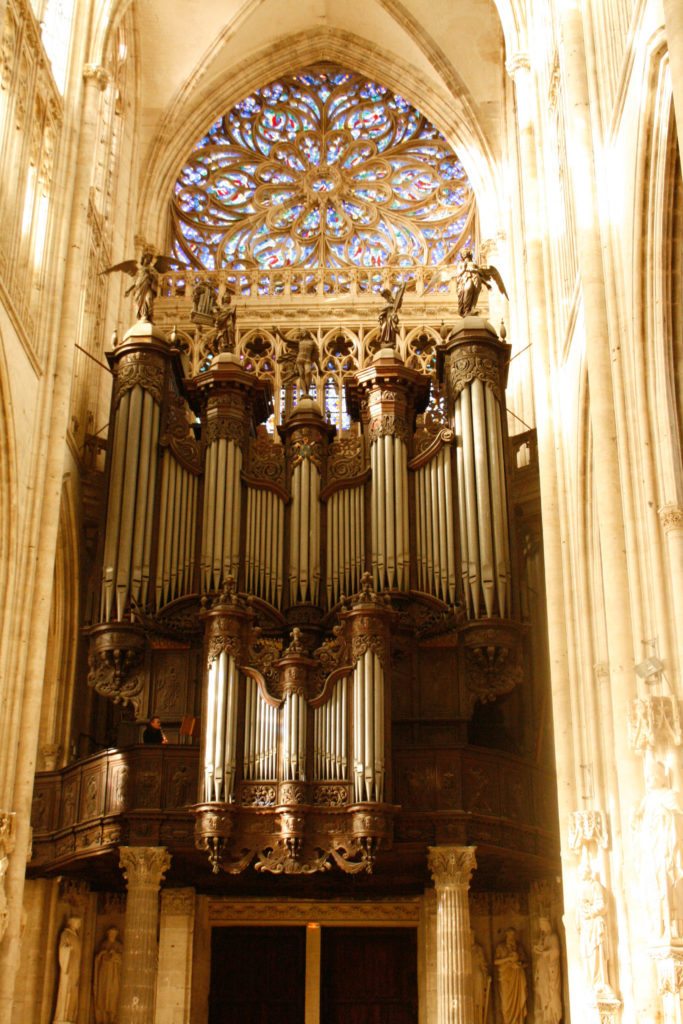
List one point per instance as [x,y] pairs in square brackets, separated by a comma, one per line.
[145,274]
[470,278]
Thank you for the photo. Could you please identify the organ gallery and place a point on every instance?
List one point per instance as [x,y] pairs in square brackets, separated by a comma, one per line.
[340,513]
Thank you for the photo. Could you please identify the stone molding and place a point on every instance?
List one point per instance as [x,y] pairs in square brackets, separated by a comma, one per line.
[225,911]
[452,866]
[178,901]
[7,839]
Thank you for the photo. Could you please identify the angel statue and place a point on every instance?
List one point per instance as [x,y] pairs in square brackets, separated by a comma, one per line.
[298,364]
[222,337]
[145,274]
[469,280]
[388,318]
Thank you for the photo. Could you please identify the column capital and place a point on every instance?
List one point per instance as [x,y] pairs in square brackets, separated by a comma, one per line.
[517,62]
[144,867]
[671,518]
[97,74]
[178,901]
[452,866]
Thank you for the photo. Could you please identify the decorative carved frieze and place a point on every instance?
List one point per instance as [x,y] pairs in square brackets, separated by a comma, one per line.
[142,368]
[345,459]
[178,901]
[267,461]
[468,363]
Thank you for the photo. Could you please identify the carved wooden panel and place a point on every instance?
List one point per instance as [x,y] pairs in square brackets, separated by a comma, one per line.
[170,670]
[415,781]
[448,781]
[480,787]
[69,803]
[438,682]
[92,792]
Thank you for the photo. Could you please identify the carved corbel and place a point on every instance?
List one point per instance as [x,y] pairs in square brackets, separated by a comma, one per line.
[368,622]
[493,660]
[115,661]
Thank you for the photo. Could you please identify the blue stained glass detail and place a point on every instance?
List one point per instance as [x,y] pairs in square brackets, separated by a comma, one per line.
[319,168]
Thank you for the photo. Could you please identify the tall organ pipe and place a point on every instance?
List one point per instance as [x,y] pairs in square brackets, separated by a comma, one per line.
[475,371]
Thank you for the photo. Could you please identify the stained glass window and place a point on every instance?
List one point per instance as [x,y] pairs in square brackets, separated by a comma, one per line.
[321,169]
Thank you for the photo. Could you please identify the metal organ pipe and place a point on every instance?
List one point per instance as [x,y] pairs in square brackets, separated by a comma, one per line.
[221,729]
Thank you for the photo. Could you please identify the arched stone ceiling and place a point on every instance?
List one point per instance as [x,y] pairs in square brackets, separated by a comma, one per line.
[197,56]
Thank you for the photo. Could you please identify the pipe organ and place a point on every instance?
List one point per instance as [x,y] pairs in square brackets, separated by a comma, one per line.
[293,561]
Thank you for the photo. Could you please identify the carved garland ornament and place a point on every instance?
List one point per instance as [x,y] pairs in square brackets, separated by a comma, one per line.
[467,365]
[110,674]
[389,424]
[223,642]
[345,459]
[267,461]
[227,429]
[374,642]
[139,368]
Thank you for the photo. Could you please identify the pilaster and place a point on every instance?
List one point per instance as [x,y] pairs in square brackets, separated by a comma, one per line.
[176,934]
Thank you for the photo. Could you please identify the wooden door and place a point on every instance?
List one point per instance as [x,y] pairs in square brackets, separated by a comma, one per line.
[369,976]
[258,976]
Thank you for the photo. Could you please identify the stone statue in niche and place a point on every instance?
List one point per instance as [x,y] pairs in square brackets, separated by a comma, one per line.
[107,978]
[511,963]
[69,955]
[591,921]
[222,337]
[301,357]
[547,981]
[388,317]
[658,824]
[481,982]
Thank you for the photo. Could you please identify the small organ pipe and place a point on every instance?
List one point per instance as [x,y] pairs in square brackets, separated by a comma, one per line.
[210,501]
[203,564]
[470,501]
[368,724]
[280,550]
[483,494]
[497,504]
[128,500]
[142,504]
[219,757]
[443,541]
[390,510]
[344,712]
[358,729]
[304,534]
[294,533]
[163,525]
[114,505]
[374,531]
[503,493]
[402,555]
[219,514]
[228,523]
[378,686]
[231,728]
[209,741]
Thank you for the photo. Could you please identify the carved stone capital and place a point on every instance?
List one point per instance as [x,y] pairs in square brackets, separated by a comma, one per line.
[452,866]
[671,517]
[97,74]
[144,867]
[517,62]
[608,1009]
[654,721]
[586,827]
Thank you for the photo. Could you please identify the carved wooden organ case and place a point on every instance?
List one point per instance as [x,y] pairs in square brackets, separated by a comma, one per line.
[294,562]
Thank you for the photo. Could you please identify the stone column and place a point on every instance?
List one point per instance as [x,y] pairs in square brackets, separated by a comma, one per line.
[671,518]
[144,868]
[451,868]
[673,21]
[176,935]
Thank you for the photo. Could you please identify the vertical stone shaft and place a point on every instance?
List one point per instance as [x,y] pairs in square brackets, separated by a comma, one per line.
[144,868]
[451,868]
[673,20]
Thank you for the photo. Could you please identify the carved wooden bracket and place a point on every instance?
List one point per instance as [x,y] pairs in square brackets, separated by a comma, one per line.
[116,654]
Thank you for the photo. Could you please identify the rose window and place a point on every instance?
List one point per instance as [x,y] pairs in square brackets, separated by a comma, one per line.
[321,169]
